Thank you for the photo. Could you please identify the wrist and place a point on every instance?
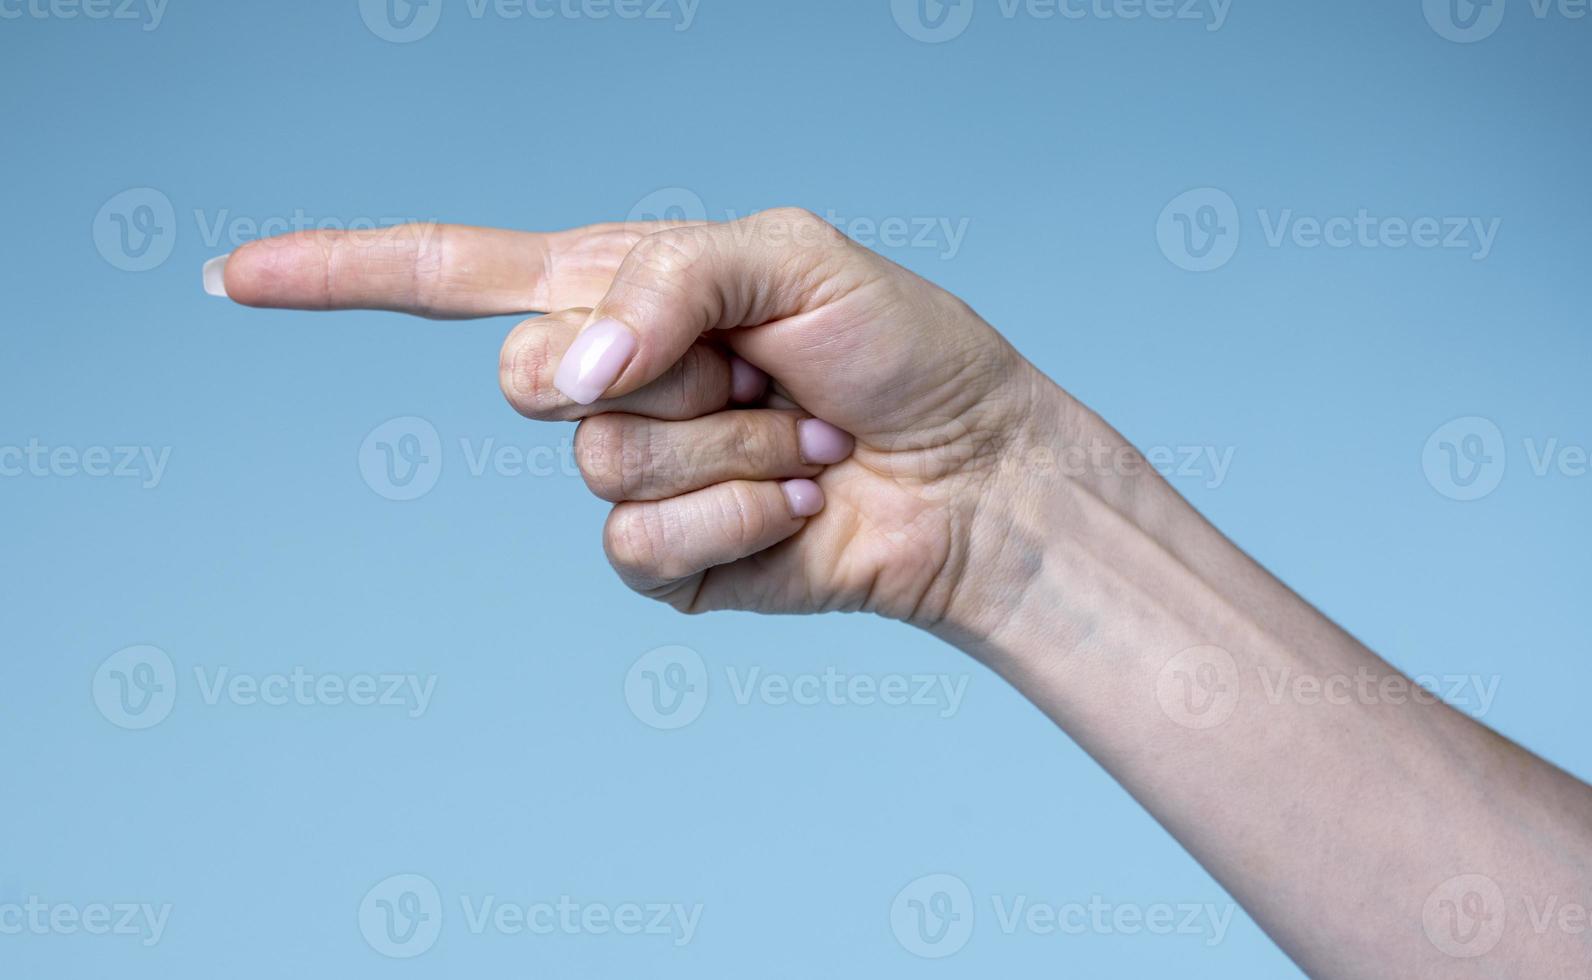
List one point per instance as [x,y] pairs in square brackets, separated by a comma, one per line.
[1004,531]
[1070,517]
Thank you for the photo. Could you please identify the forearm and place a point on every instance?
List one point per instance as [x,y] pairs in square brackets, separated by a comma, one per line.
[1330,795]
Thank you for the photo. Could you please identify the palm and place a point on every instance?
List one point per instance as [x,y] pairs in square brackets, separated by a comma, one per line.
[877,547]
[890,527]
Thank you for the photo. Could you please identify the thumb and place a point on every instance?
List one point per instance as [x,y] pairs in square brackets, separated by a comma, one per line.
[677,284]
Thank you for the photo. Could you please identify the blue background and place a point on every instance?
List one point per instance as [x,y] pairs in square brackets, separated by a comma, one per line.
[529,777]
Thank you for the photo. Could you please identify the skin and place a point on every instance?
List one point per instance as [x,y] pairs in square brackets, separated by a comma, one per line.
[1371,831]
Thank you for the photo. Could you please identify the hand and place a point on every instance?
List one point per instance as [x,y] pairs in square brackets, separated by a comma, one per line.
[937,401]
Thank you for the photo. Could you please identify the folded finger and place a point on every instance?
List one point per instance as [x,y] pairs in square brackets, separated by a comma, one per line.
[661,548]
[703,380]
[632,457]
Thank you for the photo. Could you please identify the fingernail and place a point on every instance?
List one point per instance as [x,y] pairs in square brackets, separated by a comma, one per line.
[747,383]
[594,361]
[215,276]
[821,442]
[803,496]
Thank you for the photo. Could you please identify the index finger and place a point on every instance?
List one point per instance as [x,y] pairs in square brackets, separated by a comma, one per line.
[432,270]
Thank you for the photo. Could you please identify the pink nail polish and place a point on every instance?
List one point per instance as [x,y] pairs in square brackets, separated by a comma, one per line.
[747,383]
[821,442]
[594,361]
[804,496]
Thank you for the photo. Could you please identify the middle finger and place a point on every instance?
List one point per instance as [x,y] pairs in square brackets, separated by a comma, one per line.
[632,458]
[704,380]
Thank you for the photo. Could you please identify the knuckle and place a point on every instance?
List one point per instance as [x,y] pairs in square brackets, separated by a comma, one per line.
[600,455]
[790,214]
[742,513]
[802,226]
[525,371]
[634,541]
[670,254]
[754,439]
[619,456]
[427,244]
